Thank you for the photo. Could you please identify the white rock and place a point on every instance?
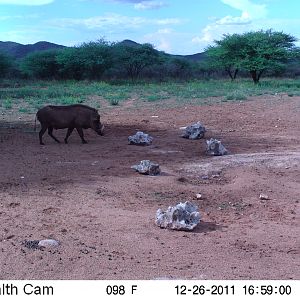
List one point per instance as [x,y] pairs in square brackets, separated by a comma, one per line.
[215,147]
[183,216]
[49,243]
[147,167]
[140,138]
[194,131]
[263,197]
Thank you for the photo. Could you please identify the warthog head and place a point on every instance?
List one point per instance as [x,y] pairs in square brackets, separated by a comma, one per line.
[96,125]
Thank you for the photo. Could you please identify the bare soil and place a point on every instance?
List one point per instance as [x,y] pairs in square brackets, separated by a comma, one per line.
[103,212]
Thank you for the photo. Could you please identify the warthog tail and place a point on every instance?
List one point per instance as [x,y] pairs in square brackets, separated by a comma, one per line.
[35,124]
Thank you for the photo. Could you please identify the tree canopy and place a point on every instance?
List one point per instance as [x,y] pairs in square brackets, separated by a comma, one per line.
[225,54]
[5,64]
[135,58]
[254,52]
[88,60]
[40,64]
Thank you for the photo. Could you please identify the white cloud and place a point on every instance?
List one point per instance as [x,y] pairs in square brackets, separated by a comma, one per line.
[165,31]
[230,24]
[168,21]
[164,39]
[145,5]
[229,20]
[26,2]
[109,20]
[31,16]
[254,11]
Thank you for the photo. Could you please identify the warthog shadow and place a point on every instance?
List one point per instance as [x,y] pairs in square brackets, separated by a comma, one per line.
[204,227]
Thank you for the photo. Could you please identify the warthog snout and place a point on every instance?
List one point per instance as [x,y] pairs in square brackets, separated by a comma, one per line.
[101,130]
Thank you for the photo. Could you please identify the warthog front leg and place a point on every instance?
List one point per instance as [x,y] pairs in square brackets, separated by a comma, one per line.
[50,130]
[70,130]
[80,132]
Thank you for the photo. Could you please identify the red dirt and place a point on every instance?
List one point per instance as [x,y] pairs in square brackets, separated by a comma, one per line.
[103,212]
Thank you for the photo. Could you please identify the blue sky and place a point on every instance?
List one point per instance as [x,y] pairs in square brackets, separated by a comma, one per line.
[174,26]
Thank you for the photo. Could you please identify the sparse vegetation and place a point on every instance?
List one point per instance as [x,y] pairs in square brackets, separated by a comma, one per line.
[29,96]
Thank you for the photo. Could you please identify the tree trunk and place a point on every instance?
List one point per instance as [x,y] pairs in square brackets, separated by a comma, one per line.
[235,73]
[229,73]
[259,74]
[232,74]
[254,76]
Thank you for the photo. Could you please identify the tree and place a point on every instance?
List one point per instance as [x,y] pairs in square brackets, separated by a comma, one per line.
[41,64]
[254,52]
[87,61]
[96,58]
[179,67]
[6,63]
[225,55]
[265,50]
[134,58]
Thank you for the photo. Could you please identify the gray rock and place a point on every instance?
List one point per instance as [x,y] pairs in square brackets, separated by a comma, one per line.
[194,132]
[49,243]
[140,138]
[147,167]
[214,147]
[40,244]
[183,216]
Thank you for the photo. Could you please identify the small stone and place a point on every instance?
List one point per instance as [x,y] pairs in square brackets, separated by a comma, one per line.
[140,138]
[263,197]
[49,243]
[147,167]
[215,147]
[31,244]
[193,132]
[198,196]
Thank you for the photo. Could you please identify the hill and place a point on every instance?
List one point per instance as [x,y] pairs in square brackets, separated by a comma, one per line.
[18,51]
[192,57]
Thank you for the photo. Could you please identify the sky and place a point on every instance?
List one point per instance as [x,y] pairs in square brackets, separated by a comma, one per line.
[174,26]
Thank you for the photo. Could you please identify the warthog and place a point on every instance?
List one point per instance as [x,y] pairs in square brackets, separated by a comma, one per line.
[71,116]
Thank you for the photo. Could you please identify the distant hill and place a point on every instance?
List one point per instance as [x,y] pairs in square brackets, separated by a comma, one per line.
[193,57]
[19,50]
[129,43]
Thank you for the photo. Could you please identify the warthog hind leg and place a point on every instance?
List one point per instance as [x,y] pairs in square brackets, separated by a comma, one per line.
[41,133]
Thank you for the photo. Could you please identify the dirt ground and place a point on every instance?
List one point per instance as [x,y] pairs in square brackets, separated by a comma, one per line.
[103,212]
